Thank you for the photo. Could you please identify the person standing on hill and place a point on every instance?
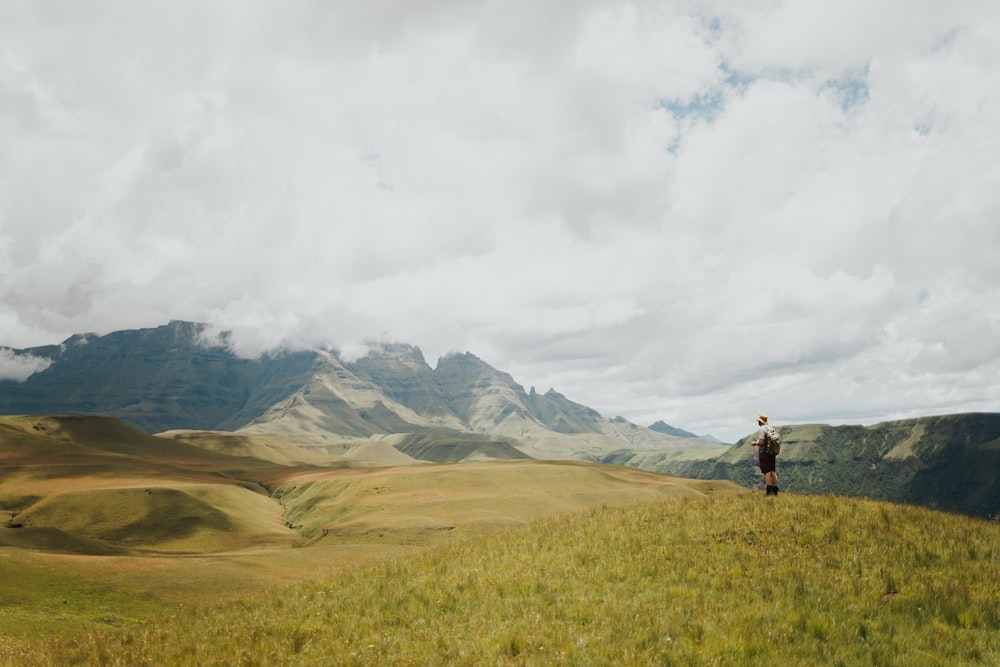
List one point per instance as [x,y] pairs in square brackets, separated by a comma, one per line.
[768,458]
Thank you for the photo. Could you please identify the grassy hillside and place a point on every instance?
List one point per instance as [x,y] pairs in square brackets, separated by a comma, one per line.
[950,463]
[105,525]
[136,550]
[728,580]
[431,504]
[50,445]
[442,448]
[94,485]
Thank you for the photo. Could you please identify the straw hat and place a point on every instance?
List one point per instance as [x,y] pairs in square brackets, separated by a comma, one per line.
[762,418]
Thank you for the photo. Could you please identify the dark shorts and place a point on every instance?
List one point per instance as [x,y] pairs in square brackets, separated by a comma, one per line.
[768,462]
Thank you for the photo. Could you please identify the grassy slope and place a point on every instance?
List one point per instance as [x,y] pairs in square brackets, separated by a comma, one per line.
[423,505]
[114,522]
[532,563]
[73,484]
[275,449]
[167,517]
[732,579]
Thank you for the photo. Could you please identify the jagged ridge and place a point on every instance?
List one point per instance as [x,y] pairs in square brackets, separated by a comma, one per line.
[174,377]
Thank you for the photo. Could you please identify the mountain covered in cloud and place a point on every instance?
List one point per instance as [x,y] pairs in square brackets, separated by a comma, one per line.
[390,407]
[177,377]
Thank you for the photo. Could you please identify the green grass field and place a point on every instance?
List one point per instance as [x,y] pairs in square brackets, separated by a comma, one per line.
[130,550]
[724,580]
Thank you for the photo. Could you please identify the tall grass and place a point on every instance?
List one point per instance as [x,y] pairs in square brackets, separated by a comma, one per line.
[731,580]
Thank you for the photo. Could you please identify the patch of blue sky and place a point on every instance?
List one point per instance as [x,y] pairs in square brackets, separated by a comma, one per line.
[851,89]
[735,79]
[706,105]
[703,105]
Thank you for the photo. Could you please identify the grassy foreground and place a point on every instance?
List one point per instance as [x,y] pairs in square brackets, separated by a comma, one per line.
[725,580]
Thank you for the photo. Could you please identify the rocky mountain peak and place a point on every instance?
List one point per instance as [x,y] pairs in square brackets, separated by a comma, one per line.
[467,366]
[395,352]
[663,427]
[183,376]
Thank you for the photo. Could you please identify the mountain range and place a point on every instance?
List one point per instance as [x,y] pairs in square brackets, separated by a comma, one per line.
[311,405]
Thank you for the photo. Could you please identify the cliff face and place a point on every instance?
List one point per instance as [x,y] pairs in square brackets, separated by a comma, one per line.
[154,379]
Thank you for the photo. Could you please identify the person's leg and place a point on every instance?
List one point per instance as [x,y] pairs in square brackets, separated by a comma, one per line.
[767,466]
[771,479]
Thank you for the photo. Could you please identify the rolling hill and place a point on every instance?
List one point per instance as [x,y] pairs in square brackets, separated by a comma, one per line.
[122,547]
[95,484]
[107,487]
[101,521]
[675,582]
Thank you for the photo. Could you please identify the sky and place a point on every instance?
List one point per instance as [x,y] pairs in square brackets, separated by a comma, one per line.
[689,211]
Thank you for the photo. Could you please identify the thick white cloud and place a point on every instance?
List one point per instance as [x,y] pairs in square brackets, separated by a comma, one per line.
[19,367]
[689,211]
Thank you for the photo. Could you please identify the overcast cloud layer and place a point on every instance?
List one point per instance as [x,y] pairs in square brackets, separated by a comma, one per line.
[688,211]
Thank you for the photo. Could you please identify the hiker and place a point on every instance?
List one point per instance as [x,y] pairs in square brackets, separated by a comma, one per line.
[767,455]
